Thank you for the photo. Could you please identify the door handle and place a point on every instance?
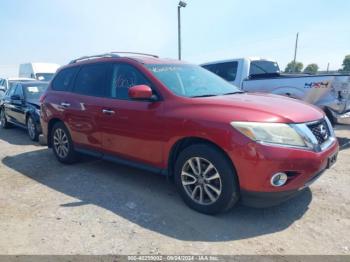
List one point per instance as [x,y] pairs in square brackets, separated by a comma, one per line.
[108,112]
[65,105]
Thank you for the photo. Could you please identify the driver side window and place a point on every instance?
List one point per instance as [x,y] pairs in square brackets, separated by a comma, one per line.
[125,76]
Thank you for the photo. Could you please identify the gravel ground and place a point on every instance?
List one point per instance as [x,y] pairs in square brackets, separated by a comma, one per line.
[97,207]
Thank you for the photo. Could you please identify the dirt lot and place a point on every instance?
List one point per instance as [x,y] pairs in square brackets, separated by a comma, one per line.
[97,207]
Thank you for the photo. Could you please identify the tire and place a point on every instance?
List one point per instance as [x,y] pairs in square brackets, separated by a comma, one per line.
[223,184]
[62,144]
[32,129]
[3,121]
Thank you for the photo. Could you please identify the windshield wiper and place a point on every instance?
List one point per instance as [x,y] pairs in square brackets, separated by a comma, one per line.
[232,93]
[204,95]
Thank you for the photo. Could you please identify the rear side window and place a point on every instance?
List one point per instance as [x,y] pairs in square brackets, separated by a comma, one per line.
[92,80]
[64,80]
[227,70]
[262,68]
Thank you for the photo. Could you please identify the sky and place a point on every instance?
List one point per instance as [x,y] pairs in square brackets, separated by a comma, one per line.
[60,30]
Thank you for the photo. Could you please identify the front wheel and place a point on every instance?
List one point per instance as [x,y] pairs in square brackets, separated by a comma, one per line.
[32,129]
[206,179]
[62,144]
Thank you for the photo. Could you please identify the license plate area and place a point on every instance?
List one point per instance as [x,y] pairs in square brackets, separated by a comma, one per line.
[331,160]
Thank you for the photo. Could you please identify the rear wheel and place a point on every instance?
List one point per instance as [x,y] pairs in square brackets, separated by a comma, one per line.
[3,120]
[62,144]
[206,179]
[32,129]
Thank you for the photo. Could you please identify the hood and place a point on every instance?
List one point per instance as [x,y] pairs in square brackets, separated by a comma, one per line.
[256,107]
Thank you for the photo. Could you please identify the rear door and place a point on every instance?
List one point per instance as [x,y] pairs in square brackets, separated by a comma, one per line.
[85,106]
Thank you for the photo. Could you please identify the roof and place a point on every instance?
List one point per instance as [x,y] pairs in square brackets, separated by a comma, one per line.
[115,56]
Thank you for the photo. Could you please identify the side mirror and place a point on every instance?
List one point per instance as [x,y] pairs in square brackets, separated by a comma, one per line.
[15,97]
[140,92]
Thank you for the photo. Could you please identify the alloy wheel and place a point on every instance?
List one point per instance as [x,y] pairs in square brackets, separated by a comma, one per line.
[61,143]
[31,128]
[201,180]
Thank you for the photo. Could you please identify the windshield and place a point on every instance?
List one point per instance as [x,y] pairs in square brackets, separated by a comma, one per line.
[11,84]
[33,92]
[191,80]
[44,76]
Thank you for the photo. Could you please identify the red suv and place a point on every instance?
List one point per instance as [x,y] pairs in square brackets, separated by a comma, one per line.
[219,143]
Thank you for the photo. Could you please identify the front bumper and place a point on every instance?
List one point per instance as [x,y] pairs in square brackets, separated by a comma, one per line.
[255,164]
[269,199]
[43,139]
[266,199]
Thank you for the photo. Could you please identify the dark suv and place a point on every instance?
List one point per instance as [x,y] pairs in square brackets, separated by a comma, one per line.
[219,143]
[20,107]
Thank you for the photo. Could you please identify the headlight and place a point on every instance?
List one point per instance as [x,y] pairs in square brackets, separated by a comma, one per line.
[273,133]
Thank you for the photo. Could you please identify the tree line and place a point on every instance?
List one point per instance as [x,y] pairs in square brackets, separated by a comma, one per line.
[298,67]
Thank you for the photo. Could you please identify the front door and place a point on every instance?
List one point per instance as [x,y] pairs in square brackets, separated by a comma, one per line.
[131,129]
[15,108]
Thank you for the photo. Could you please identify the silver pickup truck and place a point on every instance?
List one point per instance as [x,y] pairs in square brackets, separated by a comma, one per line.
[330,92]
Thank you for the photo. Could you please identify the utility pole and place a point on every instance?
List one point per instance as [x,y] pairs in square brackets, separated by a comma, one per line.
[181,4]
[328,67]
[295,52]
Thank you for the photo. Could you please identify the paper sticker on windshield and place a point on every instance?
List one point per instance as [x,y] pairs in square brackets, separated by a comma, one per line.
[165,69]
[33,89]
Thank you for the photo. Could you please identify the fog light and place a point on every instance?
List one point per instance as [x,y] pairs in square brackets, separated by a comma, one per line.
[279,179]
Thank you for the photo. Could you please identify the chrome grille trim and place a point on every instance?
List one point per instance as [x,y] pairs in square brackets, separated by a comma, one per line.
[309,137]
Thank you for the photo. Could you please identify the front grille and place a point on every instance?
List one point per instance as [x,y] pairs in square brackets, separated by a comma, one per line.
[321,131]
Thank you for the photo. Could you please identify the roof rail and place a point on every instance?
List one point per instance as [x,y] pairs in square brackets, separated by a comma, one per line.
[93,57]
[135,53]
[110,54]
